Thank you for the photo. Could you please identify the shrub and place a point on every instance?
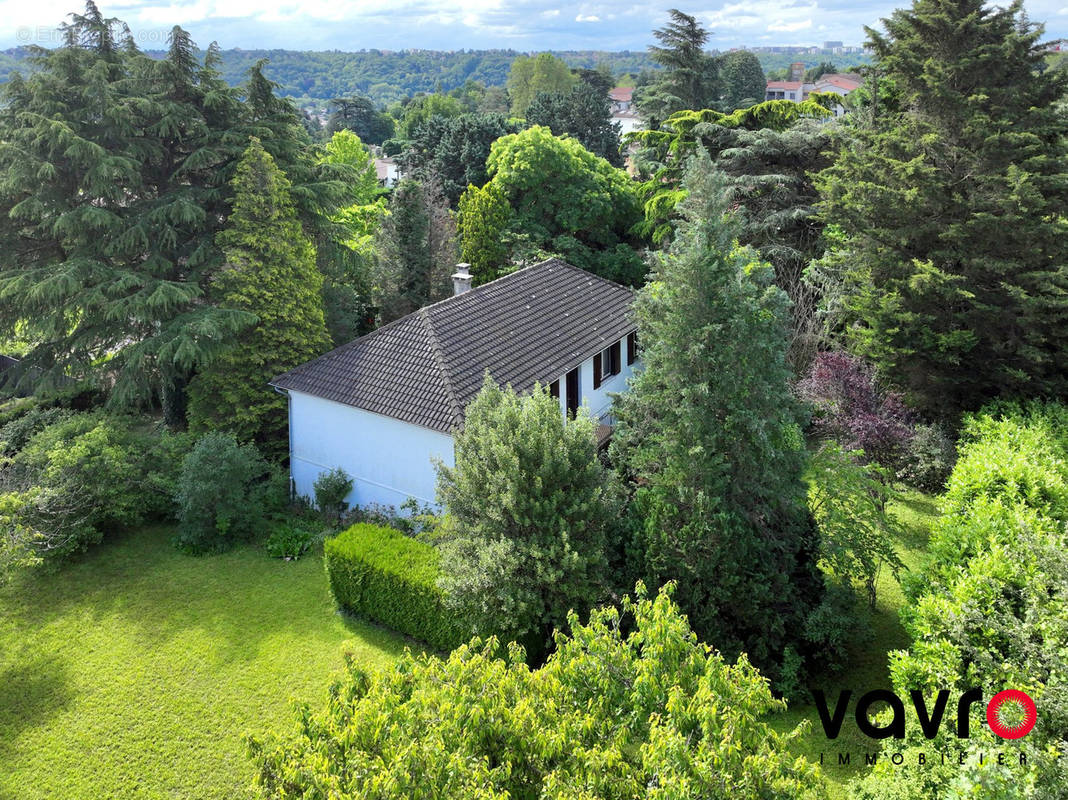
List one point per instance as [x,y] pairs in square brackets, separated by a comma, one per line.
[73,479]
[929,458]
[220,494]
[851,407]
[331,489]
[288,541]
[1015,457]
[382,574]
[630,705]
[15,434]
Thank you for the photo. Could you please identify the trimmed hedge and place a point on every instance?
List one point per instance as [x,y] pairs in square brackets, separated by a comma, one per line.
[381,574]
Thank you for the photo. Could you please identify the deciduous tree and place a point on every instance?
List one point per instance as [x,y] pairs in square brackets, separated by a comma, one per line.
[630,705]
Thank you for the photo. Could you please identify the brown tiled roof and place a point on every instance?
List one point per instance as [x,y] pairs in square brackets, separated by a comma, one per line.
[531,326]
[622,94]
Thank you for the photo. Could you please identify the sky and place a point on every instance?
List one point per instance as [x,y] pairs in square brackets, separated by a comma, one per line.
[523,25]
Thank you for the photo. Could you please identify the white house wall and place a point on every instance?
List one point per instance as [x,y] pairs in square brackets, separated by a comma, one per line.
[388,460]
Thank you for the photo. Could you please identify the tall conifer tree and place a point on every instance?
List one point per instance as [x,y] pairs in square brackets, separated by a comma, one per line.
[114,180]
[953,201]
[270,272]
[710,436]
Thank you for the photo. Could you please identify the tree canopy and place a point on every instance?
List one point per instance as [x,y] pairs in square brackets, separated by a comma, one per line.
[951,199]
[566,201]
[115,177]
[629,705]
[709,436]
[270,272]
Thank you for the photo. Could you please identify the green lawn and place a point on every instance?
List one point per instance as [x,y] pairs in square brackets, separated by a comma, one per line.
[867,668]
[136,672]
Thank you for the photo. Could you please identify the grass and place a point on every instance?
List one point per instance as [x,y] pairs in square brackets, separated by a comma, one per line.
[137,671]
[868,667]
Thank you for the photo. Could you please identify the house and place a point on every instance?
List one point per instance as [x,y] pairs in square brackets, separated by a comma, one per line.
[387,172]
[384,406]
[621,98]
[797,90]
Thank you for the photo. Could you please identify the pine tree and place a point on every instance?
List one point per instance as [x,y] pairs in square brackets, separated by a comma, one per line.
[690,79]
[956,263]
[530,516]
[584,113]
[709,434]
[114,181]
[483,217]
[270,272]
[416,249]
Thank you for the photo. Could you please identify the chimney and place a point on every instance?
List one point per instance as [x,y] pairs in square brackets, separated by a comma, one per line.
[461,279]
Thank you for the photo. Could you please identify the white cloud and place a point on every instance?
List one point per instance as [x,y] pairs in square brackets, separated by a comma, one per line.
[790,27]
[587,18]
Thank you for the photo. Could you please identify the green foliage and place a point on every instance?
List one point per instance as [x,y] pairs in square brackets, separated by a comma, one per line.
[331,488]
[455,149]
[270,273]
[483,217]
[567,201]
[416,249]
[115,180]
[743,79]
[956,267]
[848,499]
[690,78]
[530,75]
[929,459]
[763,147]
[288,541]
[630,705]
[424,108]
[359,115]
[221,494]
[73,480]
[584,113]
[381,574]
[991,609]
[709,435]
[345,253]
[529,515]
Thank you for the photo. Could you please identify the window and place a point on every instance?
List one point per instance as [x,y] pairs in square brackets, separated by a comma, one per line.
[554,389]
[632,347]
[613,359]
[571,387]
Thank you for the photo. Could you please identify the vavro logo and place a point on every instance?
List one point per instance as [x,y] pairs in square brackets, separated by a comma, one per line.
[1011,714]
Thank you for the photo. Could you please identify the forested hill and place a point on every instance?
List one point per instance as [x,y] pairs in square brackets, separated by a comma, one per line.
[314,77]
[385,76]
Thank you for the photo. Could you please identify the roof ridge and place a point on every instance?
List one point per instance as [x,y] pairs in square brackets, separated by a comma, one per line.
[439,359]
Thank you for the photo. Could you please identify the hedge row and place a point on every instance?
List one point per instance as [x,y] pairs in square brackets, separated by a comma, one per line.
[381,574]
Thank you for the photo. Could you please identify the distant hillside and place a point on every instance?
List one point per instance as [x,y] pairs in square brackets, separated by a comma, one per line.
[315,77]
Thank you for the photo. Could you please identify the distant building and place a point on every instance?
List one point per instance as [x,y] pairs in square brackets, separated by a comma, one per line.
[832,45]
[622,98]
[797,90]
[387,171]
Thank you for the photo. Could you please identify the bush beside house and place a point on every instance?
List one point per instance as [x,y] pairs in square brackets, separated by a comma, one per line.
[381,574]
